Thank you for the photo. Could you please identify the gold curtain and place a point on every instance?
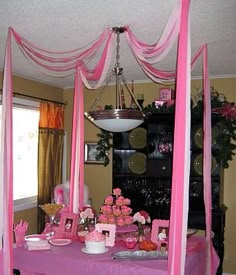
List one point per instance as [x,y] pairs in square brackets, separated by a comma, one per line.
[50,154]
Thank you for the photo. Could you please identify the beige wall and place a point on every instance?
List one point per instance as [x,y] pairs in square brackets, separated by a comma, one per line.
[99,178]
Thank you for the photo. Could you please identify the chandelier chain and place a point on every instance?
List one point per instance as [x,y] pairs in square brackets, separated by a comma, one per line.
[117,50]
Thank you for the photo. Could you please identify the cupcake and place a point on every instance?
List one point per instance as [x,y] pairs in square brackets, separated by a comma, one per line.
[106,209]
[120,201]
[120,221]
[128,220]
[109,200]
[103,218]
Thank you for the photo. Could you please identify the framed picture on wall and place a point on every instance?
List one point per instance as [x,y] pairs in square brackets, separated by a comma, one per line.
[90,153]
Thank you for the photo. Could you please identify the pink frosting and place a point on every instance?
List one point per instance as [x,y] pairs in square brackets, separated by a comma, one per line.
[94,236]
[103,218]
[120,221]
[128,220]
[106,209]
[109,200]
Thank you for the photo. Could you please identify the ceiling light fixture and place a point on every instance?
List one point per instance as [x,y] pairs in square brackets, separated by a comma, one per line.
[120,119]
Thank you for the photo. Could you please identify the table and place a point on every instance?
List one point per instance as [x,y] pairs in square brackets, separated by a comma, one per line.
[70,260]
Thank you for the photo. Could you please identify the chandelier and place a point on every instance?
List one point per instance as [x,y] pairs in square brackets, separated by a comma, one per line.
[120,118]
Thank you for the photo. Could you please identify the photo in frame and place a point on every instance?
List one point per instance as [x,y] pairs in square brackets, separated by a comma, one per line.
[68,225]
[109,230]
[90,153]
[160,233]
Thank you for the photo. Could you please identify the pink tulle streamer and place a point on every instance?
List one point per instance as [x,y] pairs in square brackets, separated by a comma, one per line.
[6,168]
[78,61]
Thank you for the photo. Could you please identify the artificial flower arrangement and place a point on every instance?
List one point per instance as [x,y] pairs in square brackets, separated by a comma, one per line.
[142,217]
[116,209]
[87,213]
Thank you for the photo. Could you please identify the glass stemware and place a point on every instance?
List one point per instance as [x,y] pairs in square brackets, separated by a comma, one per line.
[51,209]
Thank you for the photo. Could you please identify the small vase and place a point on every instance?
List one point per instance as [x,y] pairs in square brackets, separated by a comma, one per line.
[141,234]
[83,230]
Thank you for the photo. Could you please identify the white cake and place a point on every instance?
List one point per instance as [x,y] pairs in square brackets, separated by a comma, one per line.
[95,242]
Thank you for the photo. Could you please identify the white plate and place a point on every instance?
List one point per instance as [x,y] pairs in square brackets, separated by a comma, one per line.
[60,242]
[35,238]
[85,251]
[191,232]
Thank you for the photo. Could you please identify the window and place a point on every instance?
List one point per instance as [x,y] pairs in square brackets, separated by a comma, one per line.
[25,153]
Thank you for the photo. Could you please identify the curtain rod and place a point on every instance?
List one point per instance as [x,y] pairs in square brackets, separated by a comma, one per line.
[39,98]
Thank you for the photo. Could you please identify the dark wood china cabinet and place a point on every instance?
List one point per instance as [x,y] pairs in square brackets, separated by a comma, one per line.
[142,169]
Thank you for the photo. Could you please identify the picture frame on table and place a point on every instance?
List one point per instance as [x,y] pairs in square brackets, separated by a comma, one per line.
[90,153]
[160,233]
[68,225]
[109,230]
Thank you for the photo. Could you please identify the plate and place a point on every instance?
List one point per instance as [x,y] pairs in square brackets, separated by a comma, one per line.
[137,163]
[35,238]
[198,164]
[191,232]
[60,242]
[85,251]
[138,138]
[139,255]
[198,137]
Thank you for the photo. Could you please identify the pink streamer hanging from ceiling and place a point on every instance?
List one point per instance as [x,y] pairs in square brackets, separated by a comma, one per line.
[6,168]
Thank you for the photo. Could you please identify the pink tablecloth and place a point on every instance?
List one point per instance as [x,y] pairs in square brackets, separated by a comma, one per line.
[70,260]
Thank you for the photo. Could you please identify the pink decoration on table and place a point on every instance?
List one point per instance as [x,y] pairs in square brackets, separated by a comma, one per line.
[117,191]
[95,236]
[128,220]
[59,196]
[109,231]
[103,218]
[116,211]
[125,210]
[106,209]
[120,221]
[20,230]
[120,200]
[109,200]
[130,242]
[126,201]
[111,220]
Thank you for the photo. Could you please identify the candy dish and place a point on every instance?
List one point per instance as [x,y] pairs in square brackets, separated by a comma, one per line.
[88,252]
[130,242]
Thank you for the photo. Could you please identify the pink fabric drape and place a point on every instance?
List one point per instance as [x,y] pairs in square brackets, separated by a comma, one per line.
[77,151]
[6,168]
[146,55]
[181,153]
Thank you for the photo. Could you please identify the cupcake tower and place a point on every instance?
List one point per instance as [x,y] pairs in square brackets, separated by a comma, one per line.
[116,210]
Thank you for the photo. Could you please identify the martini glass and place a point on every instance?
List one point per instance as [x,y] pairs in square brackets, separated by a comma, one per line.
[51,209]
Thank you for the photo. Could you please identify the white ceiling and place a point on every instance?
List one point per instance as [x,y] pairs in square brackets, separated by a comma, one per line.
[70,24]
